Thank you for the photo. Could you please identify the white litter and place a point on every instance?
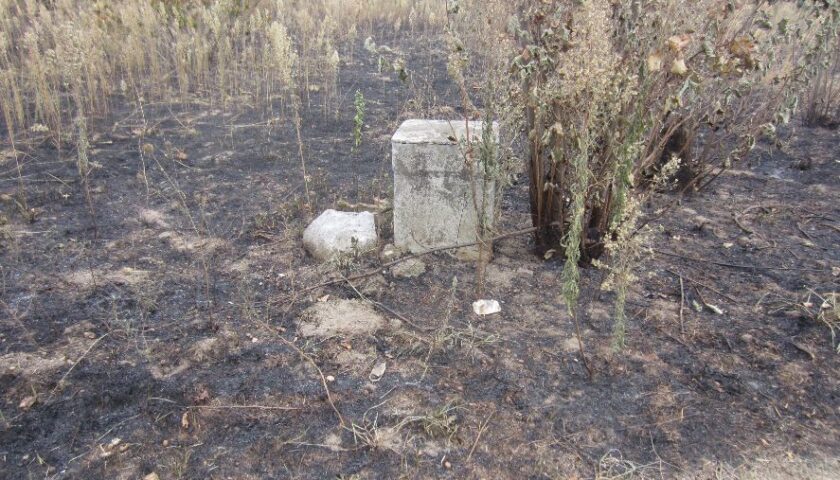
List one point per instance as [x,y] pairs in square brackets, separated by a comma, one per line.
[377,372]
[486,307]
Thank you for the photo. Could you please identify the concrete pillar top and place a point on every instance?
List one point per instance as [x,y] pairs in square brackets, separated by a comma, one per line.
[438,132]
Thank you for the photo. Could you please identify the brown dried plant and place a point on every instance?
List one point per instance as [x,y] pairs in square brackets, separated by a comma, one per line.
[227,52]
[604,94]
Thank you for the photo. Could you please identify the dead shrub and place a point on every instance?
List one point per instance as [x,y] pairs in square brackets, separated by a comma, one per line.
[821,105]
[612,100]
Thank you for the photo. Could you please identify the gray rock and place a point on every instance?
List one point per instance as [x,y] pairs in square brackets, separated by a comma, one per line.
[334,235]
[745,242]
[433,188]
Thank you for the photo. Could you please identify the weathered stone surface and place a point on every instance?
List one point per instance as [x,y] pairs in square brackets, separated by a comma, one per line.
[433,187]
[340,317]
[334,234]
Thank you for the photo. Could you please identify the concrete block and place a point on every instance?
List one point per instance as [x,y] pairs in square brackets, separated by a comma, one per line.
[336,234]
[433,187]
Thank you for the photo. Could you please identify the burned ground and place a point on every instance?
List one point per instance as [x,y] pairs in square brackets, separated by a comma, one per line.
[155,329]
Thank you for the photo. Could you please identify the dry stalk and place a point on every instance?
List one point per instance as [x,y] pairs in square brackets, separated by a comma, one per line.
[63,377]
[368,273]
[481,430]
[309,359]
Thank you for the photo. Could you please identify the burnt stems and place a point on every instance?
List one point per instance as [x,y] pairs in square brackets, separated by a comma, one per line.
[545,203]
[678,142]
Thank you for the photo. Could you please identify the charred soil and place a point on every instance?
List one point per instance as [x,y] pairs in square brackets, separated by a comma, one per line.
[156,328]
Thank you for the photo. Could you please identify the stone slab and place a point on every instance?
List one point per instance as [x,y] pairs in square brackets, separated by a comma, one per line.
[335,234]
[433,187]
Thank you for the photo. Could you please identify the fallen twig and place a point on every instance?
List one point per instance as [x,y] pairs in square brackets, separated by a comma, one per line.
[386,309]
[808,237]
[478,436]
[368,273]
[60,381]
[224,407]
[803,349]
[580,345]
[833,227]
[332,448]
[736,265]
[713,290]
[323,378]
[240,407]
[682,307]
[740,225]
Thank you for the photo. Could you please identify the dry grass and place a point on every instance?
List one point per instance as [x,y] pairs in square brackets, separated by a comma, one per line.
[607,96]
[72,59]
[65,62]
[822,101]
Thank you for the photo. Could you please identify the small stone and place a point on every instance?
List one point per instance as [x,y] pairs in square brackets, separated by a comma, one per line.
[486,307]
[411,268]
[377,372]
[745,242]
[330,378]
[389,253]
[447,465]
[28,402]
[334,235]
[715,309]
